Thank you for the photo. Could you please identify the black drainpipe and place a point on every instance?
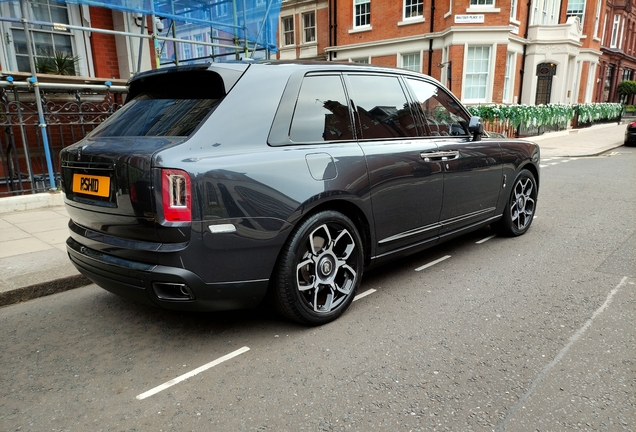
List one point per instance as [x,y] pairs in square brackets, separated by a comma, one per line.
[334,27]
[430,41]
[523,61]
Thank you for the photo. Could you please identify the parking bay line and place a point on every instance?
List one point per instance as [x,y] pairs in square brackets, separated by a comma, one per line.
[484,240]
[364,294]
[432,263]
[192,373]
[548,368]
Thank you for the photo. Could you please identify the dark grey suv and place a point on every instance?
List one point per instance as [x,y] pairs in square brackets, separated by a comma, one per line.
[216,186]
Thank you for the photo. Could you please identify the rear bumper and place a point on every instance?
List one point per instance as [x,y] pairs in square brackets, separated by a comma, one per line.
[139,281]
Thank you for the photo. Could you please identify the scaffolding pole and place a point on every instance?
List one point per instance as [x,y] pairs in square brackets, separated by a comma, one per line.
[38,100]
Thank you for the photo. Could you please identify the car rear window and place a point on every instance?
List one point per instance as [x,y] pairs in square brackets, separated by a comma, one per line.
[165,105]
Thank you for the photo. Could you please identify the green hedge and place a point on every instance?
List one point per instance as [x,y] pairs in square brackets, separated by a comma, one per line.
[543,115]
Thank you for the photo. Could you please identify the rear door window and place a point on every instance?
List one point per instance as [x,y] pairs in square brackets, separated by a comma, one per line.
[321,112]
[382,107]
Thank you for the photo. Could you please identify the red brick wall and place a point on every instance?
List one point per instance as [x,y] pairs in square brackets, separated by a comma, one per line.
[389,61]
[585,70]
[103,45]
[517,78]
[322,32]
[322,29]
[384,18]
[500,73]
[436,71]
[456,55]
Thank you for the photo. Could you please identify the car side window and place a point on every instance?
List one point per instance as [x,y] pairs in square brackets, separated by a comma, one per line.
[321,112]
[382,106]
[442,115]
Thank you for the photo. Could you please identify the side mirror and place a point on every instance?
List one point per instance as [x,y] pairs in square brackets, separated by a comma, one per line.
[476,127]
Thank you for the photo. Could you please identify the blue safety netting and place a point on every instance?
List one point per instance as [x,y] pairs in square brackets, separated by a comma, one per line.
[251,23]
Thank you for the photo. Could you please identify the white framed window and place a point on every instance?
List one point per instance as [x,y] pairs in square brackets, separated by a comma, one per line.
[619,43]
[287,25]
[615,30]
[309,27]
[513,10]
[544,12]
[508,78]
[222,9]
[199,48]
[554,14]
[361,13]
[187,49]
[361,60]
[411,61]
[413,9]
[482,2]
[576,8]
[46,41]
[477,73]
[597,18]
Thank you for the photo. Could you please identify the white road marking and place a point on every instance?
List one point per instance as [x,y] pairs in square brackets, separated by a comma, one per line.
[575,337]
[364,294]
[192,373]
[486,239]
[432,263]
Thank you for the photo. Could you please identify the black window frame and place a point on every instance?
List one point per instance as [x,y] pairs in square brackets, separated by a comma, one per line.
[279,134]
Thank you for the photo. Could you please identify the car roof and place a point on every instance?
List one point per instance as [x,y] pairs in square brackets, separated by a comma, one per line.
[290,66]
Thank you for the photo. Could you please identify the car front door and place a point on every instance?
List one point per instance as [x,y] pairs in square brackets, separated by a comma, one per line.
[472,169]
[405,183]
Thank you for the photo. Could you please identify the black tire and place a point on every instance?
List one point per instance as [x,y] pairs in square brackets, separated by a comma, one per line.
[520,207]
[319,269]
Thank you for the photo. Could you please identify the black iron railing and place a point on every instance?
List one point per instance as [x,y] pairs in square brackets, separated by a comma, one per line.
[70,112]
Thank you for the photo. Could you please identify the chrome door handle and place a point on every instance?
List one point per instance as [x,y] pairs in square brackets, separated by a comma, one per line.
[442,155]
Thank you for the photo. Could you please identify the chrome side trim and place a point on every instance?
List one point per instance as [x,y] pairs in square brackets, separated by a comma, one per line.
[468,228]
[409,233]
[394,251]
[462,218]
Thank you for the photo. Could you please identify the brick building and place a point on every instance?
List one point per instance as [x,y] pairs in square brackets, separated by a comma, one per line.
[485,51]
[98,55]
[618,45]
[510,51]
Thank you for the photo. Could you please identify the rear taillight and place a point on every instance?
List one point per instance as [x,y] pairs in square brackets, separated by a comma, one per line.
[177,196]
[632,124]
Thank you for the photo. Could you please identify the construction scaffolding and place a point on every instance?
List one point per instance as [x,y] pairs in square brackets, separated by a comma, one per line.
[221,29]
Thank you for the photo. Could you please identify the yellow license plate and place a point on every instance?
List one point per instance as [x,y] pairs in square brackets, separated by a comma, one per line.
[91,185]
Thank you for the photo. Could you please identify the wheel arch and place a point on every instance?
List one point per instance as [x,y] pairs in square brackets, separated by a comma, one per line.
[354,213]
[533,169]
[347,208]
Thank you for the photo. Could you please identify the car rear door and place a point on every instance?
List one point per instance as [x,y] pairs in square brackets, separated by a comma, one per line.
[405,183]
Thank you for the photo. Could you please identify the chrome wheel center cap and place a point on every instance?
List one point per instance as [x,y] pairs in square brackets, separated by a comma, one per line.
[521,202]
[326,267]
